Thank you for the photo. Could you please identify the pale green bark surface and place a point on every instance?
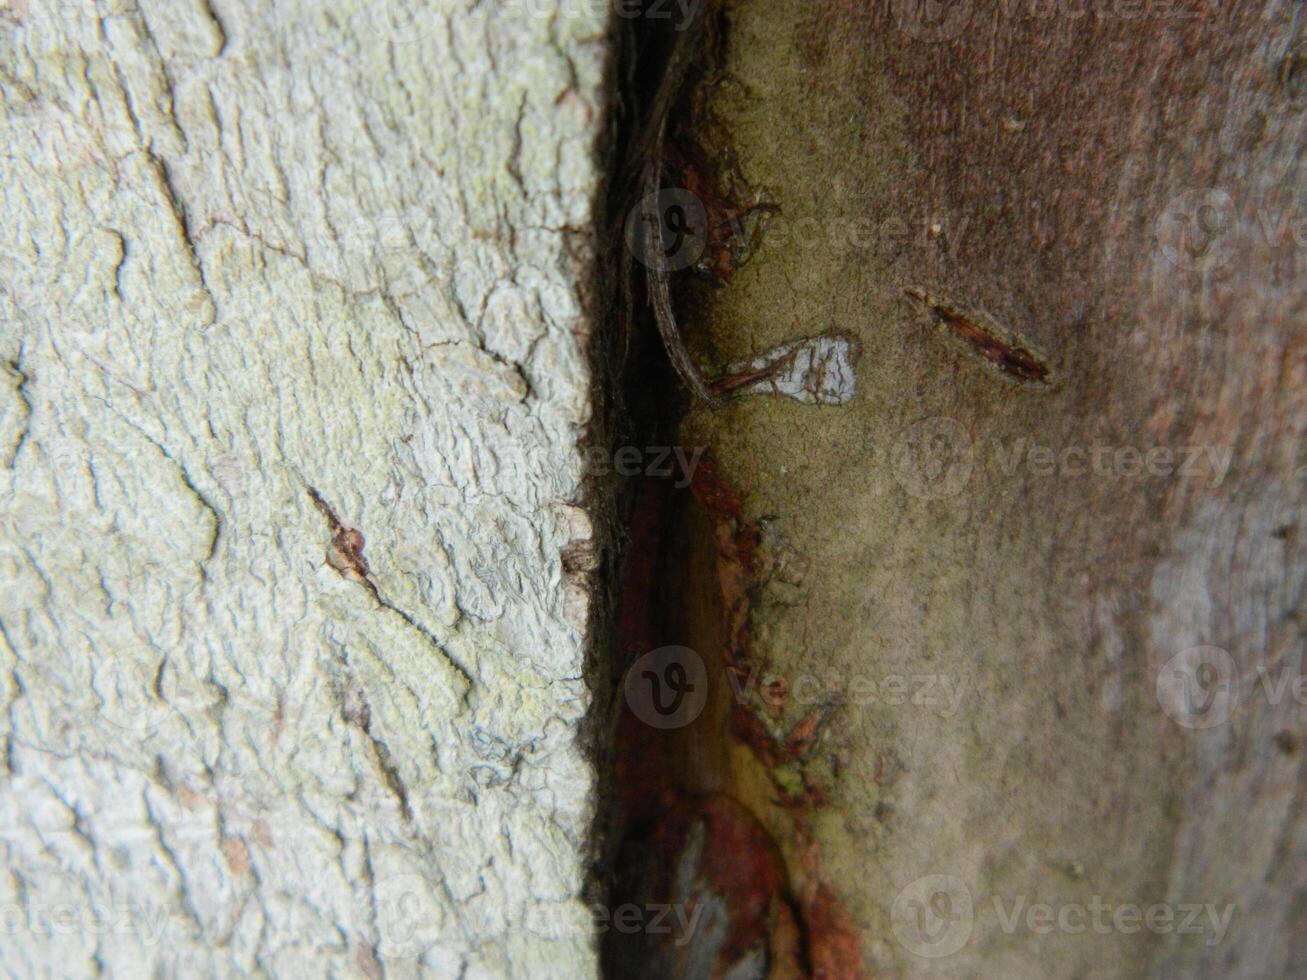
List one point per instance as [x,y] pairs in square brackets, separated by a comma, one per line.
[250,249]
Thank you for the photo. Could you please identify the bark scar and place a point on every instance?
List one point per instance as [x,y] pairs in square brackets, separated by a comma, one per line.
[1008,355]
[346,556]
[346,552]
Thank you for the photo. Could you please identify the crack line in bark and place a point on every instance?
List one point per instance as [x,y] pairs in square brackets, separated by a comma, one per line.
[346,557]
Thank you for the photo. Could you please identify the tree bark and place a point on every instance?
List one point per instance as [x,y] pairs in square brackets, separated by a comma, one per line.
[296,311]
[1012,636]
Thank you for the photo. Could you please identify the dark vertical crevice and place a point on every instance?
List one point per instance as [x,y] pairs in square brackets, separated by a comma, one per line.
[636,403]
[641,403]
[689,881]
[705,867]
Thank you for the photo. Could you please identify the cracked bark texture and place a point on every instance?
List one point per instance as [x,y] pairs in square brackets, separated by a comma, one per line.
[252,253]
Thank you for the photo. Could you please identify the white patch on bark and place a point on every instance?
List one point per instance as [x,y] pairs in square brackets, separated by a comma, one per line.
[816,371]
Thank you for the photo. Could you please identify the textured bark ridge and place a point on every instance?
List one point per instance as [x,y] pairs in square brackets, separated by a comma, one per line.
[295,370]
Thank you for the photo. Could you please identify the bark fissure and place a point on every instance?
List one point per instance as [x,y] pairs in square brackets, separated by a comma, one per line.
[688,796]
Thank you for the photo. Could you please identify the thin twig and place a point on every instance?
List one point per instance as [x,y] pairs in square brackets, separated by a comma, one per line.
[733,382]
[660,293]
[685,48]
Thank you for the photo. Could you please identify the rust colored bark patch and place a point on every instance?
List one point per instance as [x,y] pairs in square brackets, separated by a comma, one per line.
[1009,356]
[830,941]
[710,824]
[721,876]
